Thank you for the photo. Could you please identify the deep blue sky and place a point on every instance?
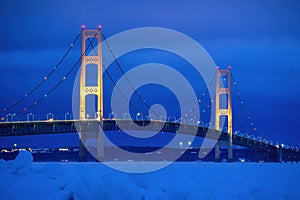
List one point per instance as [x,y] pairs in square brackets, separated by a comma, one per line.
[259,39]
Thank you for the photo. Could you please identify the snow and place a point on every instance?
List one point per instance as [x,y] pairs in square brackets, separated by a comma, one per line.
[22,179]
[22,161]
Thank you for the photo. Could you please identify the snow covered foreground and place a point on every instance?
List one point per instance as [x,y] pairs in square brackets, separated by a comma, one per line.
[22,179]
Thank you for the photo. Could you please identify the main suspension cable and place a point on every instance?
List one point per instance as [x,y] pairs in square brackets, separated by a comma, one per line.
[44,79]
[58,84]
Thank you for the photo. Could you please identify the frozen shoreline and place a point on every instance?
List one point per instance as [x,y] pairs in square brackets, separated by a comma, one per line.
[22,179]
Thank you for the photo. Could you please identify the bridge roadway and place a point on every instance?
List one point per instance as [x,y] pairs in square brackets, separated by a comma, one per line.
[23,128]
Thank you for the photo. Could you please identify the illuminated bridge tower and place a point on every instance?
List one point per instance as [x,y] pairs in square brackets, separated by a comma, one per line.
[91,58]
[95,58]
[223,87]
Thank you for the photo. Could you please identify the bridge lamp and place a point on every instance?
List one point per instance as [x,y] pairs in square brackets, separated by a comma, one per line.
[10,117]
[191,122]
[189,143]
[151,117]
[180,144]
[97,115]
[50,117]
[30,117]
[169,119]
[209,125]
[139,116]
[67,116]
[126,116]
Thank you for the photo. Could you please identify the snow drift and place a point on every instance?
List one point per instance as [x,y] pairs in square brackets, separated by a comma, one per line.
[22,179]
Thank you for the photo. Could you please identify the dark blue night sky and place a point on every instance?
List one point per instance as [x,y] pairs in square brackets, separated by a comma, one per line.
[259,39]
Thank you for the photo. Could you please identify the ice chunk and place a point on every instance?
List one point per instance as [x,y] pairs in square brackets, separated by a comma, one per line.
[23,160]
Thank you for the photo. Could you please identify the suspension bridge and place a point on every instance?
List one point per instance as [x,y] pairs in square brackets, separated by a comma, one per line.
[21,118]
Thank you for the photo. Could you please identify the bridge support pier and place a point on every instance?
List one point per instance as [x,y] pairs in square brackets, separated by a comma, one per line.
[100,146]
[82,149]
[99,154]
[261,155]
[279,154]
[230,153]
[267,155]
[217,152]
[256,156]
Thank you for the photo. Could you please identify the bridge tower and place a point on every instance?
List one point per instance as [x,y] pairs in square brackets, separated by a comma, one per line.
[223,87]
[89,35]
[95,58]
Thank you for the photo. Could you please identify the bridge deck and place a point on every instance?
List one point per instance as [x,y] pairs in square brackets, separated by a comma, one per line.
[92,126]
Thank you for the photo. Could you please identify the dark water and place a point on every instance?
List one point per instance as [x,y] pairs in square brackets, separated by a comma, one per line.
[113,154]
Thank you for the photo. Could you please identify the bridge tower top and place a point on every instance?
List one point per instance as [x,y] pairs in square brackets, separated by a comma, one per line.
[94,58]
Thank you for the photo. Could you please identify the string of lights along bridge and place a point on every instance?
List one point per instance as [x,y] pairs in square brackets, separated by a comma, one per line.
[44,109]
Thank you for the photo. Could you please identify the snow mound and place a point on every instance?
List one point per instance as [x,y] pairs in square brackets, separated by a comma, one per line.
[189,180]
[22,161]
